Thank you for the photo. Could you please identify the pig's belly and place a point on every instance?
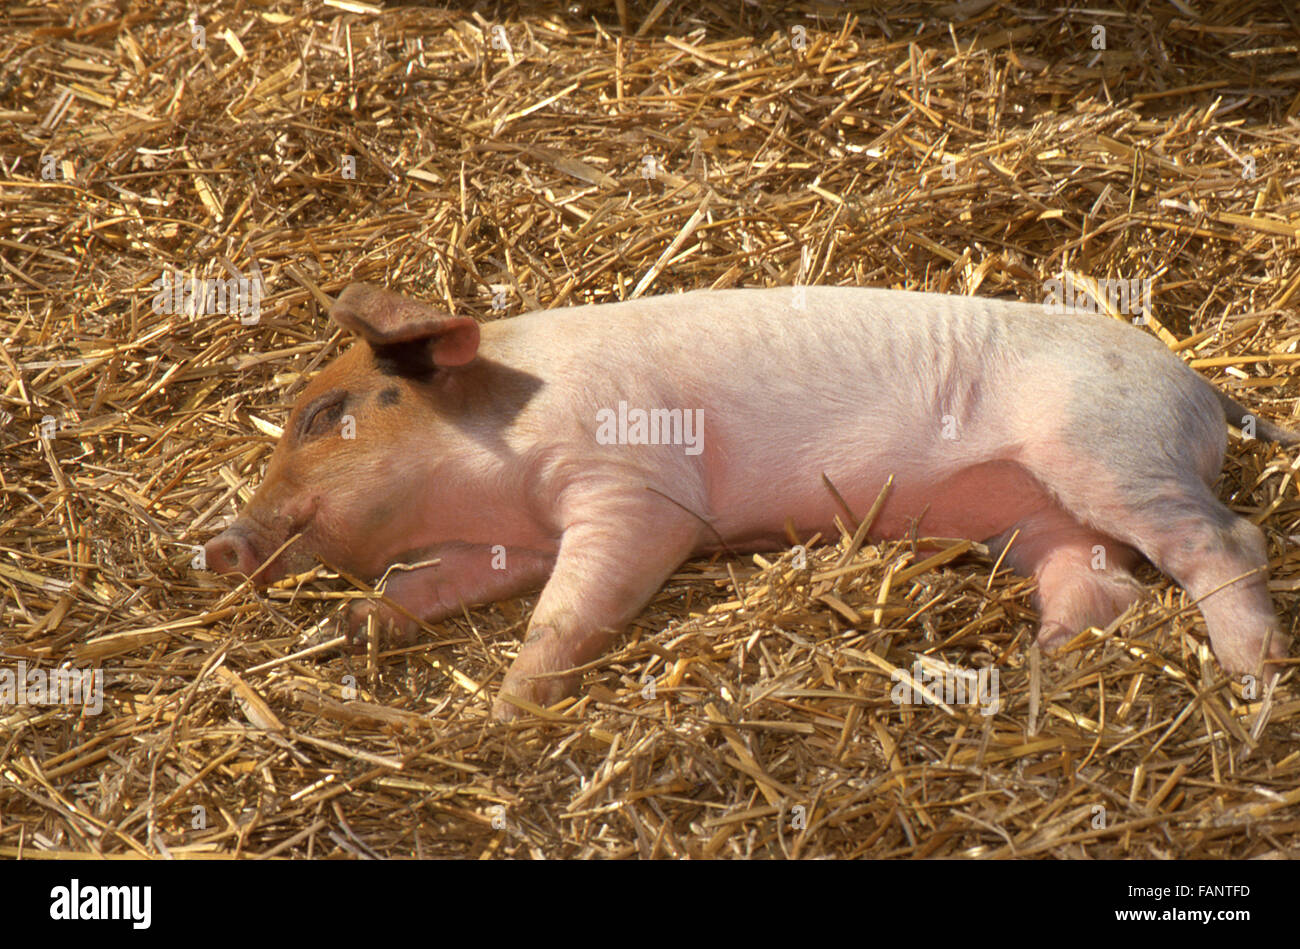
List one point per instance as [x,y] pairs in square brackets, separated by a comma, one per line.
[977,502]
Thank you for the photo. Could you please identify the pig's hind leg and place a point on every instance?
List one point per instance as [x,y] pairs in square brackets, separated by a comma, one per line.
[1084,577]
[1158,504]
[611,562]
[1221,560]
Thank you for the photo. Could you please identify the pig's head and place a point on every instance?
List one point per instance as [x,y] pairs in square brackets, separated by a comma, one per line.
[347,471]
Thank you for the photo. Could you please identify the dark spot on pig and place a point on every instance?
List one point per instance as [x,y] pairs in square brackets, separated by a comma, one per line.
[1114,361]
[390,396]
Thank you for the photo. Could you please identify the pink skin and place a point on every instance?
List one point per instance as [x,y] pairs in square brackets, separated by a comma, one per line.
[455,582]
[480,446]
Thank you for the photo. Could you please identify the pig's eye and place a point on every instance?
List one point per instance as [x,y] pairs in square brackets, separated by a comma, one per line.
[322,416]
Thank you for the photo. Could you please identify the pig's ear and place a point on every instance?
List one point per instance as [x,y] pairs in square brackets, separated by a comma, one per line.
[391,323]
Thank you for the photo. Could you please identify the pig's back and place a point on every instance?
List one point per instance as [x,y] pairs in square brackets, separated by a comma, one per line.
[855,382]
[768,333]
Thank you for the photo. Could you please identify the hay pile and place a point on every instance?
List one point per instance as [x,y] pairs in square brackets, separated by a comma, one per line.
[569,153]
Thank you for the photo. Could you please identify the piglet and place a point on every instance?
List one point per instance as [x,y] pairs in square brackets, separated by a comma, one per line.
[591,450]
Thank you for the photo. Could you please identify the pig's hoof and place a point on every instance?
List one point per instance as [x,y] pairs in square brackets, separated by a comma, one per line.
[392,629]
[1241,656]
[1052,636]
[544,690]
[538,692]
[543,673]
[503,711]
[541,693]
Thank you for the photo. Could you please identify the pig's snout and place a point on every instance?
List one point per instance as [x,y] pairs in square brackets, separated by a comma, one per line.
[231,551]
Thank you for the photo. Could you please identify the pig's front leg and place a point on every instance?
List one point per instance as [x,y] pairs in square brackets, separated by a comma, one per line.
[609,566]
[466,575]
